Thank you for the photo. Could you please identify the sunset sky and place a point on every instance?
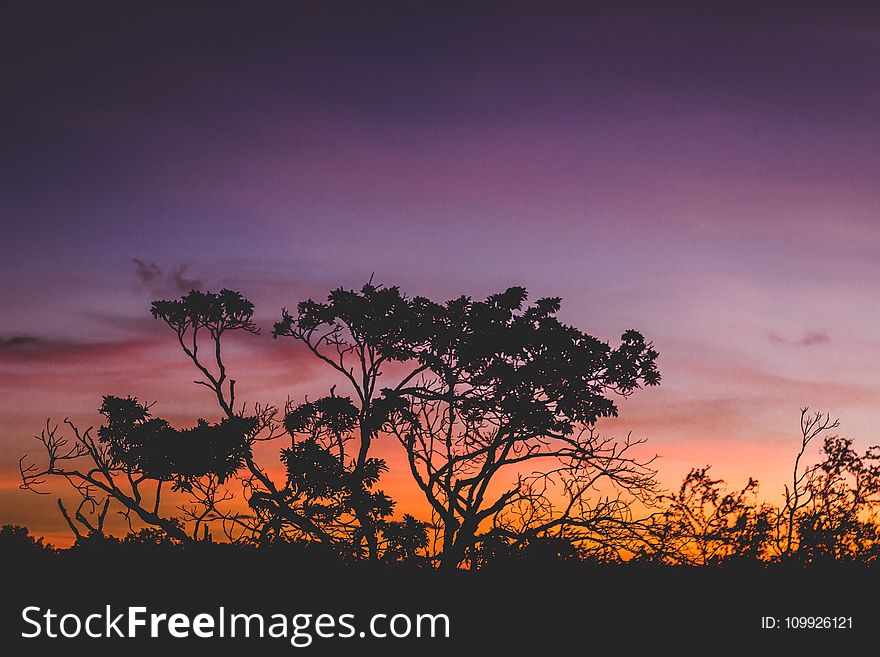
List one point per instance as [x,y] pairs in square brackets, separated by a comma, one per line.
[708,177]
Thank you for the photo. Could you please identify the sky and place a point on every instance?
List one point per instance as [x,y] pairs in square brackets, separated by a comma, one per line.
[707,176]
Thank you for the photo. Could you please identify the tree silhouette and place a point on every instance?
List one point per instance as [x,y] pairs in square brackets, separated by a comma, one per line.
[404,539]
[703,523]
[504,388]
[17,542]
[838,519]
[198,313]
[338,493]
[357,334]
[100,475]
[320,493]
[496,385]
[798,495]
[134,449]
[494,404]
[152,447]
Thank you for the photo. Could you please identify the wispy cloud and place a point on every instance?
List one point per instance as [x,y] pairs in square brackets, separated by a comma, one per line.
[18,342]
[814,338]
[33,349]
[809,339]
[160,280]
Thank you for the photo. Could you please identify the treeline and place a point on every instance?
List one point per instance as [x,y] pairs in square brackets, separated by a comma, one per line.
[494,404]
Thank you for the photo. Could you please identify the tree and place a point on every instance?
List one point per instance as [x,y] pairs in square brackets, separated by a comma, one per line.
[320,493]
[487,388]
[704,523]
[798,495]
[337,494]
[506,413]
[16,542]
[102,473]
[404,539]
[198,313]
[134,450]
[837,520]
[358,334]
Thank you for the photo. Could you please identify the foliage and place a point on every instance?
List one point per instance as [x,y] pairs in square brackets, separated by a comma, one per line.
[494,403]
[404,539]
[154,448]
[16,541]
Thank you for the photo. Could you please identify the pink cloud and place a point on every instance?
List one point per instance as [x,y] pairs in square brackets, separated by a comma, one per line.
[810,338]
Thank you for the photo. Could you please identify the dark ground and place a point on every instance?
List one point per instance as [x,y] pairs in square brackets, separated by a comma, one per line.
[515,608]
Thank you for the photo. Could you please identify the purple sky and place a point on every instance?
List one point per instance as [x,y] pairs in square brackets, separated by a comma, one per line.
[710,179]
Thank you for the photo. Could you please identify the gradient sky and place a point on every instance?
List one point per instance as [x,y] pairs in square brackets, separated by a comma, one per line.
[708,177]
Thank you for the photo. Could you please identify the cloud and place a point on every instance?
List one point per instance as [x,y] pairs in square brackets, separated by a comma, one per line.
[814,337]
[775,338]
[147,272]
[19,342]
[810,339]
[32,349]
[181,282]
[158,280]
